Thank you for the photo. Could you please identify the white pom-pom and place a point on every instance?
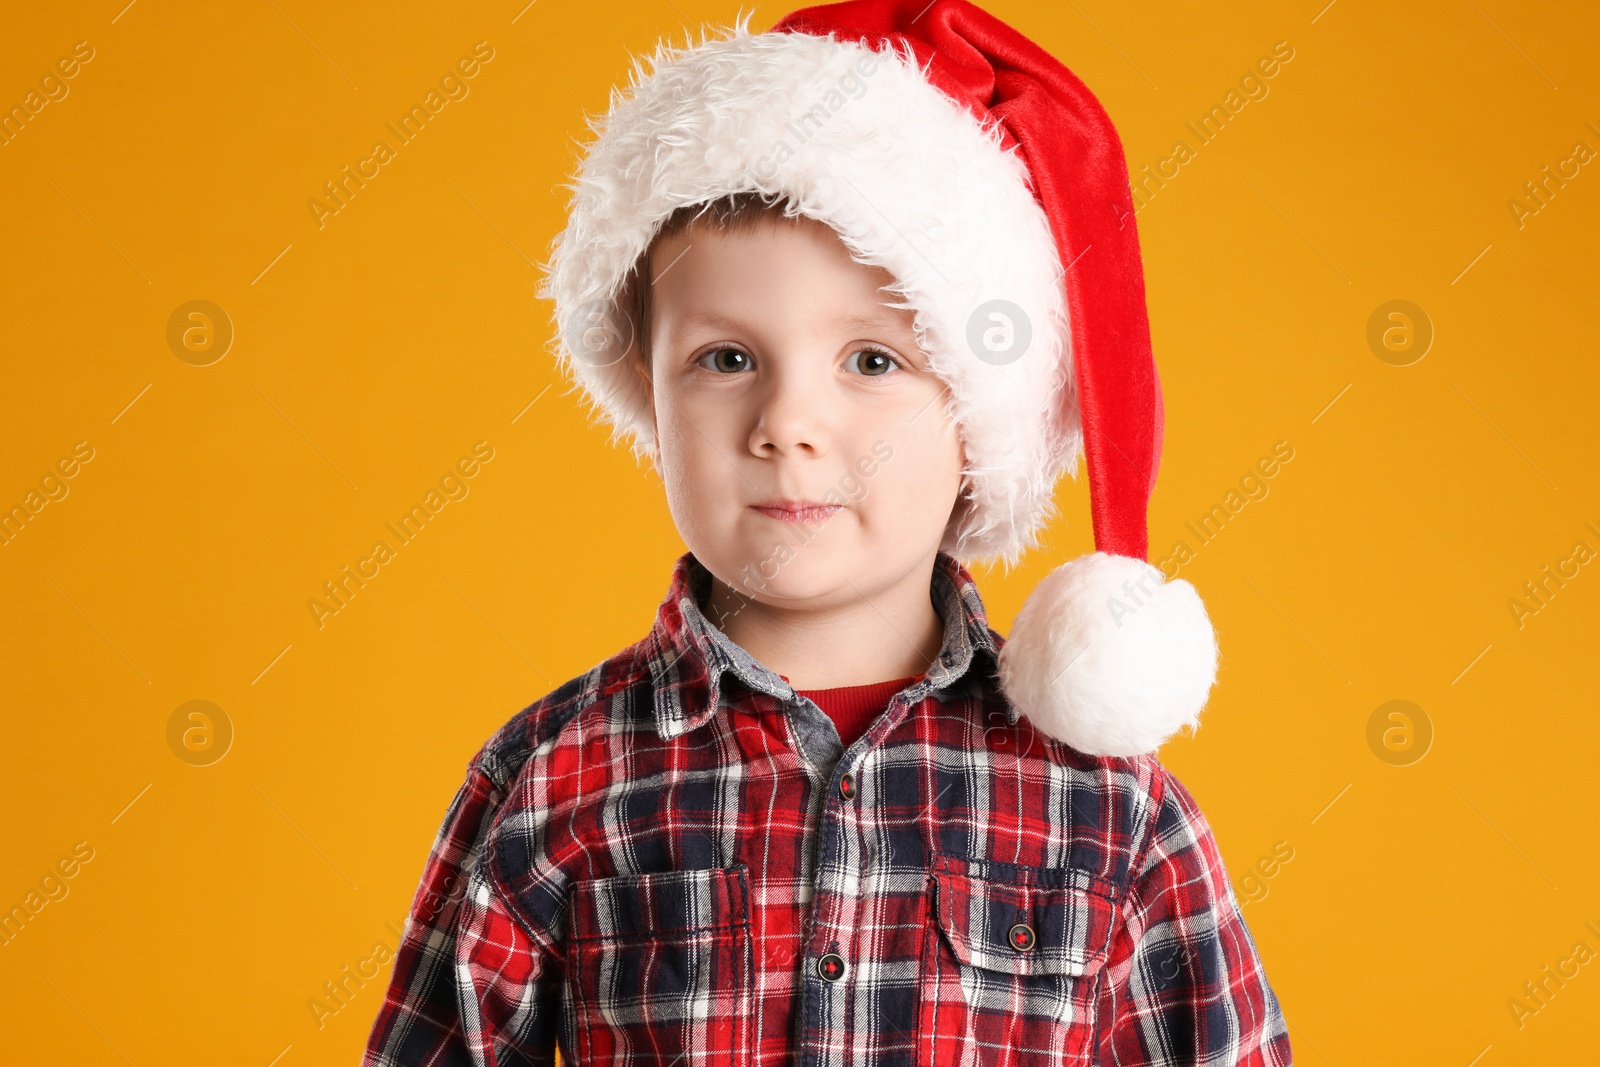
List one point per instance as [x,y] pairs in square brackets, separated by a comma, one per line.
[1109,657]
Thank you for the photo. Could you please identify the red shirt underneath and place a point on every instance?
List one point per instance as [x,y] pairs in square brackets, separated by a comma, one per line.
[853,707]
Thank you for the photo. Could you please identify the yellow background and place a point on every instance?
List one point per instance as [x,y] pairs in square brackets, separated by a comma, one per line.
[374,351]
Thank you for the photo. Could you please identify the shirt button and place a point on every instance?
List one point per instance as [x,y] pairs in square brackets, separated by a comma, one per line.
[847,786]
[831,967]
[1022,937]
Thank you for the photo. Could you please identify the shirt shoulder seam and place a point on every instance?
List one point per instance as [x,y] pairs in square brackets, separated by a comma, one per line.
[591,690]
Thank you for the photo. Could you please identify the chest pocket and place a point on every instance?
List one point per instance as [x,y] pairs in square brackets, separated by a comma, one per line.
[660,969]
[1010,964]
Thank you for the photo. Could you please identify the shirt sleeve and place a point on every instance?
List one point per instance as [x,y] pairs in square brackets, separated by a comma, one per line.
[1186,985]
[469,985]
[508,982]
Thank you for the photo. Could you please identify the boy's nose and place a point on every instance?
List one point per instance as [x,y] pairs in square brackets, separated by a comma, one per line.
[791,416]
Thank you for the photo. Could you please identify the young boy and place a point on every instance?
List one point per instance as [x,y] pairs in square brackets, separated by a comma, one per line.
[821,813]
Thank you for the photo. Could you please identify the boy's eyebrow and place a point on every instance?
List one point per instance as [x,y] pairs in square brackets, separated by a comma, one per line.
[718,321]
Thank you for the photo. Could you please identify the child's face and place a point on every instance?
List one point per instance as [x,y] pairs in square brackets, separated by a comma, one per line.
[765,390]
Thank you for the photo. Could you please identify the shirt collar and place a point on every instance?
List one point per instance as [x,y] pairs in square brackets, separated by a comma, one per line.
[688,654]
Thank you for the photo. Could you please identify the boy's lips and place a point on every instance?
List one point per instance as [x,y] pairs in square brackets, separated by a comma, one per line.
[797,510]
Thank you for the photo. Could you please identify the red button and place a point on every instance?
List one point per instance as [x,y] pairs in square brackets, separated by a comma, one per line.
[847,786]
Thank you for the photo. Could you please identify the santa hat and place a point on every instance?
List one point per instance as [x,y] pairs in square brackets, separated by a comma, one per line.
[949,149]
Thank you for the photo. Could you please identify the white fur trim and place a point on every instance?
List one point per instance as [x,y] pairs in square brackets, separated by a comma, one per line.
[910,180]
[1108,657]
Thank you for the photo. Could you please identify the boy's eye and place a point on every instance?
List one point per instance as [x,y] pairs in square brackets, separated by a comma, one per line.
[873,362]
[725,360]
[869,362]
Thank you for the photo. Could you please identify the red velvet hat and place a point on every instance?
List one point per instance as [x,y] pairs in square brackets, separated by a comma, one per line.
[948,148]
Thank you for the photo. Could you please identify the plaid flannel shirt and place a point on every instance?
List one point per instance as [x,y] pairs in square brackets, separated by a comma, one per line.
[671,860]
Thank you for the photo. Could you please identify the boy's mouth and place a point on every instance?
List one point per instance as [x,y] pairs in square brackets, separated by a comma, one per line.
[804,511]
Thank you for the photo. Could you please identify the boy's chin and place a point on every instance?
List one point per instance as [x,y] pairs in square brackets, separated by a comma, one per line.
[778,573]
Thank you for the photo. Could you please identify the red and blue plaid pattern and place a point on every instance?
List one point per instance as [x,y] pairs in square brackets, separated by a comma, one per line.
[672,860]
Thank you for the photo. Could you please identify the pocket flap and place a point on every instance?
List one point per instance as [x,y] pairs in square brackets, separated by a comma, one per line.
[662,904]
[1067,914]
